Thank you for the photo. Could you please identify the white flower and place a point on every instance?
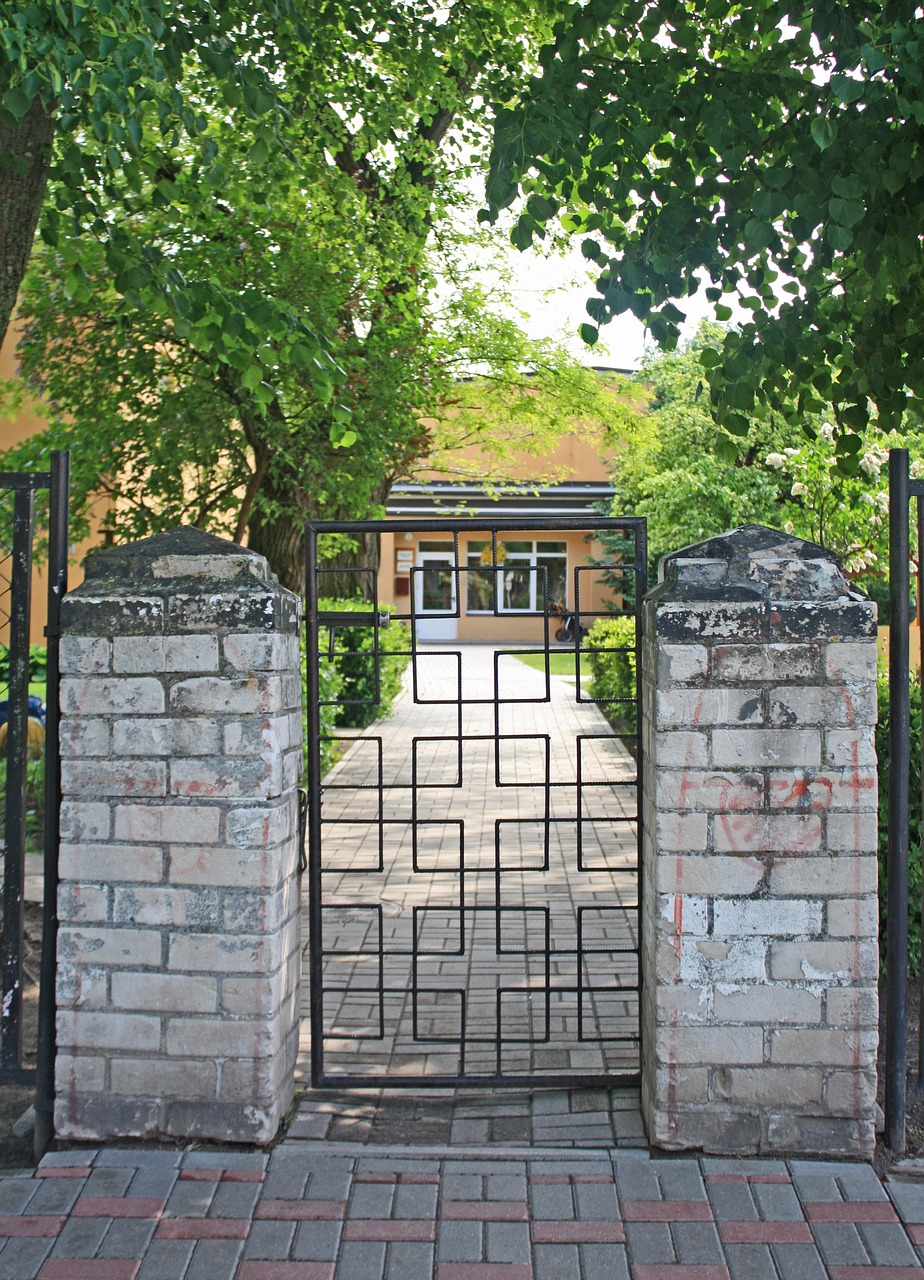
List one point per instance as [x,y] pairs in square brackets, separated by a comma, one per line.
[917,469]
[775,460]
[870,464]
[799,490]
[789,527]
[826,431]
[882,501]
[868,499]
[791,452]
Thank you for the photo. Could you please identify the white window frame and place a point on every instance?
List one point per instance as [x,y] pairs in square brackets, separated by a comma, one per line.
[530,561]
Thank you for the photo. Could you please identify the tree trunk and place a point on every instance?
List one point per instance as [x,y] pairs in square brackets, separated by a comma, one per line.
[25,156]
[281,539]
[352,573]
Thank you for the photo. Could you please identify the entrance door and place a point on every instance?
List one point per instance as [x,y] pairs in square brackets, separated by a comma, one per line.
[435,596]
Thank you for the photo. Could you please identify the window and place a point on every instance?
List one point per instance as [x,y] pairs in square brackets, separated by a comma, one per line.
[527,574]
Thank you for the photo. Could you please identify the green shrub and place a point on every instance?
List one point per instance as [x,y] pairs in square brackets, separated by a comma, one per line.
[35,803]
[914,819]
[330,681]
[371,677]
[610,650]
[38,664]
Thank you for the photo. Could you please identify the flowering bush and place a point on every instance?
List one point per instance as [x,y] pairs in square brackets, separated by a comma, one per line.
[847,514]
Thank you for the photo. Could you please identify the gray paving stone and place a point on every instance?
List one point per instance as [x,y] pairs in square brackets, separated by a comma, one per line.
[270,1241]
[680,1180]
[74,1159]
[111,1181]
[839,1244]
[739,1166]
[415,1201]
[215,1260]
[814,1185]
[459,1242]
[507,1242]
[860,1182]
[324,1185]
[505,1186]
[22,1257]
[250,1160]
[190,1199]
[649,1242]
[732,1201]
[552,1203]
[118,1157]
[473,1132]
[637,1182]
[153,1182]
[777,1202]
[461,1186]
[798,1262]
[556,1262]
[235,1199]
[317,1241]
[15,1193]
[750,1262]
[283,1184]
[595,1201]
[166,1260]
[371,1199]
[127,1238]
[56,1195]
[697,1244]
[80,1237]
[409,1260]
[887,1244]
[908,1198]
[604,1261]
[550,1102]
[361,1260]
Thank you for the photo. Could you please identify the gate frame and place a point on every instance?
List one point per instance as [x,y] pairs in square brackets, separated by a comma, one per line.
[24,486]
[637,525]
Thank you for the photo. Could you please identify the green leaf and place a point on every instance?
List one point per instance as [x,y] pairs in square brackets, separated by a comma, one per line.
[722,312]
[824,132]
[589,334]
[846,213]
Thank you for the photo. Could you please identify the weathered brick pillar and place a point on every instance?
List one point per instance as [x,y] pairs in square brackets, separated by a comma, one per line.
[178,953]
[760,926]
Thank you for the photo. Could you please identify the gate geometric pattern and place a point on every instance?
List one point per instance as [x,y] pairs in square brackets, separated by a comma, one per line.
[473,859]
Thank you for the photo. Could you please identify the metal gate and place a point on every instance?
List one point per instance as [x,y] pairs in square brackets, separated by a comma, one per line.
[473,856]
[30,765]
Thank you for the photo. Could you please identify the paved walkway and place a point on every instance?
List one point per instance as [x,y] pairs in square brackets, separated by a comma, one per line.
[324,1212]
[480,882]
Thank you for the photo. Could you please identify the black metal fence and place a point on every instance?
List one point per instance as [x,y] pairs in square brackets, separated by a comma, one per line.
[30,765]
[473,873]
[902,488]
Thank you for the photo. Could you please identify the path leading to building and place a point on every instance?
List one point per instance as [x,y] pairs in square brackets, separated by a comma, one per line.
[401,862]
[320,1212]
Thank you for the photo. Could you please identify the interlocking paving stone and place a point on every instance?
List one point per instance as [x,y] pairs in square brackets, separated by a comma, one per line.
[215,1259]
[507,1242]
[667,1211]
[733,1201]
[750,1262]
[887,1244]
[269,1240]
[697,1243]
[839,1243]
[250,1270]
[798,1262]
[556,1262]
[317,1241]
[459,1242]
[21,1259]
[776,1203]
[604,1262]
[765,1232]
[127,1238]
[409,1261]
[361,1260]
[908,1198]
[849,1211]
[91,1269]
[166,1259]
[649,1242]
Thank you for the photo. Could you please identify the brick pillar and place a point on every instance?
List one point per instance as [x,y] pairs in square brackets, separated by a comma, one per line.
[178,950]
[759,941]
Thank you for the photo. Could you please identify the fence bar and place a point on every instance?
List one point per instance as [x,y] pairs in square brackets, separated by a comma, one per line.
[897,866]
[312,747]
[16,761]
[57,586]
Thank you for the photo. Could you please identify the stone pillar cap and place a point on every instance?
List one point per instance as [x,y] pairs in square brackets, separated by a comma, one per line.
[200,559]
[754,563]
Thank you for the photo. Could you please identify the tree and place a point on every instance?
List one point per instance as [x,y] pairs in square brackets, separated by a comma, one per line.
[668,470]
[330,231]
[95,98]
[777,153]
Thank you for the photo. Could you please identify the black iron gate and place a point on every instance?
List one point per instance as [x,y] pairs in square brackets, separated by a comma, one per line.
[473,856]
[30,766]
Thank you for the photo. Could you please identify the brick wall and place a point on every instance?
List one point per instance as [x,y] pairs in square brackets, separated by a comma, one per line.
[760,793]
[178,950]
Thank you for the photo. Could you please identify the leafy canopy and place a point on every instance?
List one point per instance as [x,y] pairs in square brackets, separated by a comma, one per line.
[774,153]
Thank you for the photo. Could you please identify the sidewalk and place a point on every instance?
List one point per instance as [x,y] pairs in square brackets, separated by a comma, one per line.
[313,1211]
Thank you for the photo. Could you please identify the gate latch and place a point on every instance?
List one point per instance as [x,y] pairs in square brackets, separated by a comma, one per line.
[302,829]
[380,618]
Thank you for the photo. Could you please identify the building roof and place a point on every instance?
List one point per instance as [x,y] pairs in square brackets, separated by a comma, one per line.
[444,498]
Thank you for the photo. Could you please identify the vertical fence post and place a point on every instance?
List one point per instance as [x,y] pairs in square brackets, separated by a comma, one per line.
[16,755]
[897,868]
[58,504]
